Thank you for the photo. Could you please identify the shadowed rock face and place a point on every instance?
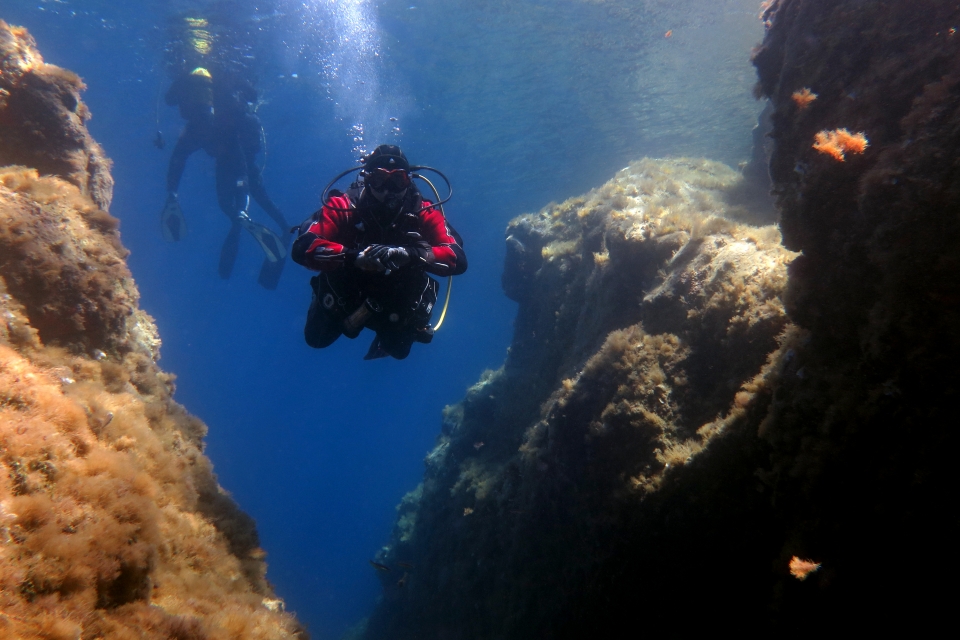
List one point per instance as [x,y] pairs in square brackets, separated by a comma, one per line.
[862,447]
[112,524]
[663,438]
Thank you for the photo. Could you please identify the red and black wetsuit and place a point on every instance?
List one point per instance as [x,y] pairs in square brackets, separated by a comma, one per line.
[342,229]
[404,298]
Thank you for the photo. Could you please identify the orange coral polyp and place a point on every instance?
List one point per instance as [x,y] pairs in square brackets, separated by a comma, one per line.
[853,143]
[839,142]
[803,97]
[800,569]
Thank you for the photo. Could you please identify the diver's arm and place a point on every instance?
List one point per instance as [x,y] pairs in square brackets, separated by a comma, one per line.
[438,251]
[322,246]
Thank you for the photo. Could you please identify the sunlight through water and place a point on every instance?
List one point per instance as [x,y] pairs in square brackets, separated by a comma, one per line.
[343,39]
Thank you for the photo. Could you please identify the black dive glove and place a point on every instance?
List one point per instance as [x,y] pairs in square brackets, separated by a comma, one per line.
[381,257]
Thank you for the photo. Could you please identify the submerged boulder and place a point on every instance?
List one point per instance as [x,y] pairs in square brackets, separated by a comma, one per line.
[112,524]
[648,315]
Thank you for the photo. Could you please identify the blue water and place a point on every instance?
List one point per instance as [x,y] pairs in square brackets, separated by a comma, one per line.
[519,103]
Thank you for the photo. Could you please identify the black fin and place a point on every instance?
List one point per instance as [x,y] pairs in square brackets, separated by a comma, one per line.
[228,252]
[270,273]
[272,245]
[375,351]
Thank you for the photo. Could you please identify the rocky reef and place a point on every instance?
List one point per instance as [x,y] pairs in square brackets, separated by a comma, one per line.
[860,436]
[698,427]
[614,434]
[112,524]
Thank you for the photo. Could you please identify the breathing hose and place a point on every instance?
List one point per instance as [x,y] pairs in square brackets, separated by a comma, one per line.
[446,301]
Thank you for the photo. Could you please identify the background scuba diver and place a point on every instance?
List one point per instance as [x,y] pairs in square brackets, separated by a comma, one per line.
[219,120]
[373,247]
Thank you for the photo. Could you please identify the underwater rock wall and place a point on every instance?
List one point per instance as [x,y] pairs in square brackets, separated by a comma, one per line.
[689,435]
[112,524]
[42,120]
[647,316]
[863,443]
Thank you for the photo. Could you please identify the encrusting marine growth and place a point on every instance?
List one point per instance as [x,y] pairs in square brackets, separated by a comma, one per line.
[648,315]
[800,569]
[839,142]
[803,98]
[691,417]
[112,524]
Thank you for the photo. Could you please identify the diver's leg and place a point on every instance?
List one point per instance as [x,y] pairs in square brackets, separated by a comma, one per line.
[324,324]
[232,198]
[231,187]
[413,301]
[410,322]
[423,305]
[259,194]
[249,138]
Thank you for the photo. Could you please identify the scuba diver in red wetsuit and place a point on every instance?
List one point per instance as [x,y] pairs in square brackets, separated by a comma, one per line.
[374,247]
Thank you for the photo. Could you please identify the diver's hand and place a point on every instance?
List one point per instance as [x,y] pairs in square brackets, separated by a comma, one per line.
[392,258]
[366,262]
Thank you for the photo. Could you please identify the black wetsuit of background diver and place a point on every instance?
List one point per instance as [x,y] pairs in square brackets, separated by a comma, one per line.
[219,121]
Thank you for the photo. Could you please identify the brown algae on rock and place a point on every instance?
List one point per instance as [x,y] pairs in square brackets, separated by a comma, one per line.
[112,524]
[648,315]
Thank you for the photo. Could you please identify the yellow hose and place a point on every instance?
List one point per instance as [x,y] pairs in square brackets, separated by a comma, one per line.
[446,301]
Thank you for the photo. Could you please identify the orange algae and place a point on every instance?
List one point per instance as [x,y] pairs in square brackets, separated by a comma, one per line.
[803,97]
[838,142]
[112,524]
[800,569]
